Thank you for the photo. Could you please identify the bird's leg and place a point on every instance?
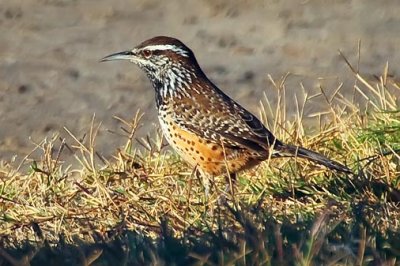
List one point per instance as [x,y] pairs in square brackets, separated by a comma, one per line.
[205,180]
[207,185]
[230,185]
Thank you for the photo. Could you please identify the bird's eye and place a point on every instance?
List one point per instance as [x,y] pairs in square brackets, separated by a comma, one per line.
[146,53]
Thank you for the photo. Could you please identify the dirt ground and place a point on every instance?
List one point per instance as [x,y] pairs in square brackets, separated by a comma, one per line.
[50,75]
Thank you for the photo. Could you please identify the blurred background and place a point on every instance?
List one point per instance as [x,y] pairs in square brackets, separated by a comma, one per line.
[50,75]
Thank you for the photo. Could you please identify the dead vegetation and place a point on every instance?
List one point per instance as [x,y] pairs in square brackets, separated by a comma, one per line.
[145,206]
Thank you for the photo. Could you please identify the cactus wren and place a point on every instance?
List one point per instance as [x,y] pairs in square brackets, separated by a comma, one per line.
[207,128]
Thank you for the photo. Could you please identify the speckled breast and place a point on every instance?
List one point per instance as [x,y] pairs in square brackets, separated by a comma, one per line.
[211,158]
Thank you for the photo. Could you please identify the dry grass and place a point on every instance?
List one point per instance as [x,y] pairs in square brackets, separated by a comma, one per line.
[145,206]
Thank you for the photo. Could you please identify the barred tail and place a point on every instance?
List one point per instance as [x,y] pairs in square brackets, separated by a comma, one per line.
[296,151]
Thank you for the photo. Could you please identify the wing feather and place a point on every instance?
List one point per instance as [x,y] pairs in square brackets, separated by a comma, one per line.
[219,119]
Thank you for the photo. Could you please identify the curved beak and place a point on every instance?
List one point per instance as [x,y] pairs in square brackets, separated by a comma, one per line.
[125,55]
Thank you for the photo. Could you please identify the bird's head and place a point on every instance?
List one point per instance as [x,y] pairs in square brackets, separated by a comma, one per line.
[161,58]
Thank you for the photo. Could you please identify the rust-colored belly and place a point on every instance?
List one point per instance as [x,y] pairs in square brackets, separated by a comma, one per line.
[212,158]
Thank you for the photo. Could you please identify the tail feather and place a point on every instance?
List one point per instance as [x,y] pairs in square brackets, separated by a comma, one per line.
[296,151]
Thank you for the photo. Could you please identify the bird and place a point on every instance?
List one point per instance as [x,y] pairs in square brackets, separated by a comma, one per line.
[207,128]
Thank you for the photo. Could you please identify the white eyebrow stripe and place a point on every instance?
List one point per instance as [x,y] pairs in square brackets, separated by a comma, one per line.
[163,47]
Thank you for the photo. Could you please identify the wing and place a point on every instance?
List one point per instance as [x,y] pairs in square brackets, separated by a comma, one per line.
[218,118]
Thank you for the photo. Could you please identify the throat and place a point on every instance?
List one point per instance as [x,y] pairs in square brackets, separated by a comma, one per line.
[172,84]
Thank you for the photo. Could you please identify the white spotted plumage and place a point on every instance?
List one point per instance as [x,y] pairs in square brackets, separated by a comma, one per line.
[189,103]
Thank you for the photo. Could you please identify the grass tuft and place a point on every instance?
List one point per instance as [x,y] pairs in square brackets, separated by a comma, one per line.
[146,206]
